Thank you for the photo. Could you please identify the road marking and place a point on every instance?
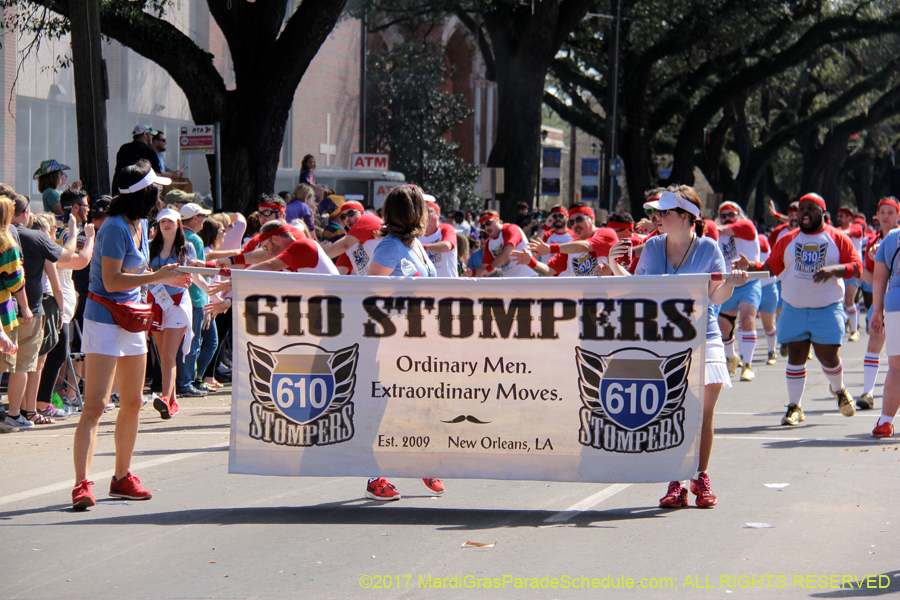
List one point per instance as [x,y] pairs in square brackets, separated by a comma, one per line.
[153,462]
[587,503]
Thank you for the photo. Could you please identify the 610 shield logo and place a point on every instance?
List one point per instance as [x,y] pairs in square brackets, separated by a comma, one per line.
[632,399]
[302,394]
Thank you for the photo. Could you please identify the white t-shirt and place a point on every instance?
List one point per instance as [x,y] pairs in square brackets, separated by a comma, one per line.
[445,263]
[509,234]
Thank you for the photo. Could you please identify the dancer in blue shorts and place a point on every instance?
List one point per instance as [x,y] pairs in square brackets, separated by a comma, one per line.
[814,260]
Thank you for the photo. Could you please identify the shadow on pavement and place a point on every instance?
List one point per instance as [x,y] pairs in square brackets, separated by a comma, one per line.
[364,512]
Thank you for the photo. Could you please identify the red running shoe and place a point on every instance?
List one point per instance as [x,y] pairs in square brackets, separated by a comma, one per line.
[173,407]
[700,487]
[434,485]
[162,405]
[381,490]
[676,497]
[883,430]
[129,487]
[82,497]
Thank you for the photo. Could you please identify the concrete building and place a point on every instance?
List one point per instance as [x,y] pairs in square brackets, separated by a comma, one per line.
[38,120]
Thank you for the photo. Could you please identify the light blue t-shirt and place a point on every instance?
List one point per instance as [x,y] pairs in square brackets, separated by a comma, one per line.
[114,241]
[391,252]
[157,262]
[704,257]
[885,254]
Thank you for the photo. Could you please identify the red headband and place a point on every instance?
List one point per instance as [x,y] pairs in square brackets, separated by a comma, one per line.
[814,198]
[730,205]
[270,206]
[351,206]
[890,202]
[278,231]
[582,210]
[846,211]
[434,206]
[620,226]
[559,210]
[792,209]
[485,218]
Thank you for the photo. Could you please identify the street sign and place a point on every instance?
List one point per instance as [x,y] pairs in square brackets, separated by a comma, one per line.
[197,139]
[370,161]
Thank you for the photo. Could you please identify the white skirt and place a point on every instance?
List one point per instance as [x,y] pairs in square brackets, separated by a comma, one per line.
[717,372]
[181,316]
[112,340]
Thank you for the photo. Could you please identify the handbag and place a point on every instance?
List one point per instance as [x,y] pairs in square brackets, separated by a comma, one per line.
[130,316]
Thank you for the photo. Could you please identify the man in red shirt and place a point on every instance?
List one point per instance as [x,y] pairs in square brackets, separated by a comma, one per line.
[270,208]
[579,258]
[354,250]
[503,239]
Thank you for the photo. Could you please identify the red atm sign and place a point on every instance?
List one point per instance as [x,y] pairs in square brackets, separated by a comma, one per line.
[370,161]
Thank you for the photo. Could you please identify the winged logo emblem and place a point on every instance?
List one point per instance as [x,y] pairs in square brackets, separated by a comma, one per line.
[302,381]
[632,387]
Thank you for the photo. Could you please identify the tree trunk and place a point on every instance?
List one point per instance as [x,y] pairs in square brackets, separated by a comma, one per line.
[520,88]
[635,152]
[823,173]
[90,97]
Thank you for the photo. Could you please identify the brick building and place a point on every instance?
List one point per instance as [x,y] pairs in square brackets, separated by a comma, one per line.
[39,122]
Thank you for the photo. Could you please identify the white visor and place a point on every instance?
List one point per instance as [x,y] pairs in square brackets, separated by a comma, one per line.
[168,213]
[149,179]
[668,201]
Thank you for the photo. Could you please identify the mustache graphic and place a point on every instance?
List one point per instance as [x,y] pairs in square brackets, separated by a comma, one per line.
[468,418]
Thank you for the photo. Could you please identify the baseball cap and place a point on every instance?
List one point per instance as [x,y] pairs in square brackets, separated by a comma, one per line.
[168,213]
[191,210]
[176,195]
[142,129]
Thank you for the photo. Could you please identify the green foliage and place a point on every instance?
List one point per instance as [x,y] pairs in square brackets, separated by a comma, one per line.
[408,115]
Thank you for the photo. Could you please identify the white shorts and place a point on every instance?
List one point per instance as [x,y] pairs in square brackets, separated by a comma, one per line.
[178,316]
[111,340]
[892,333]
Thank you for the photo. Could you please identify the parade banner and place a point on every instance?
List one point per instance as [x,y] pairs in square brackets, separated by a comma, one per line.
[578,379]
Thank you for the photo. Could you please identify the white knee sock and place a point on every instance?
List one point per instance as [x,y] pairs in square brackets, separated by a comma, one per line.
[853,315]
[729,348]
[870,372]
[835,376]
[748,346]
[770,339]
[796,382]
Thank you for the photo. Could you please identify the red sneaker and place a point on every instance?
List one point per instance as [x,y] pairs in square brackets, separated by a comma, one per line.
[173,407]
[129,487]
[883,430]
[434,485]
[162,405]
[700,487]
[676,497]
[382,490]
[82,497]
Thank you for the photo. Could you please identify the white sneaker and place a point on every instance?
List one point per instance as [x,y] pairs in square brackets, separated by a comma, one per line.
[21,422]
[6,428]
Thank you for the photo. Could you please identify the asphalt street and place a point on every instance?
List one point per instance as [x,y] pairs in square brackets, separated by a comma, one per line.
[208,534]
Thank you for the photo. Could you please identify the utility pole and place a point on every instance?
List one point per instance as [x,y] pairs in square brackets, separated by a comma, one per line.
[91,93]
[613,155]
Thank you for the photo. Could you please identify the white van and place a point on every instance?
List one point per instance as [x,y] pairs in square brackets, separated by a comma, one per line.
[367,186]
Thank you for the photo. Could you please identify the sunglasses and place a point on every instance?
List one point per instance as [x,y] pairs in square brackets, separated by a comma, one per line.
[482,236]
[578,219]
[660,212]
[268,213]
[350,213]
[557,216]
[727,215]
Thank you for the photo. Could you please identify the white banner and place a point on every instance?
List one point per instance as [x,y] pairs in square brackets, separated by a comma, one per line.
[576,379]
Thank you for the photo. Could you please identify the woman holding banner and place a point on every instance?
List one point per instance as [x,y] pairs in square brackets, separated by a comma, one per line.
[119,267]
[401,254]
[681,248]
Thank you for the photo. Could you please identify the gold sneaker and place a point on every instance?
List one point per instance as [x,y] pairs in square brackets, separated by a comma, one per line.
[747,373]
[845,402]
[865,402]
[772,360]
[793,416]
[854,337]
[733,365]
